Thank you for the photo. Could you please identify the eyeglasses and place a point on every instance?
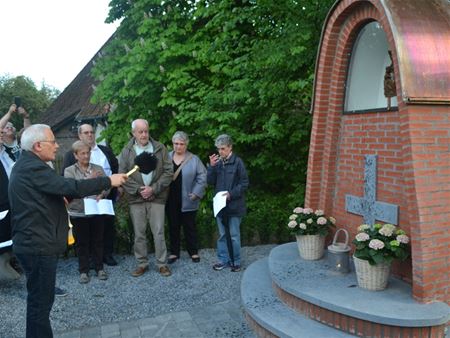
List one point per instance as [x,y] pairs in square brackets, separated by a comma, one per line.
[87,132]
[49,141]
[179,144]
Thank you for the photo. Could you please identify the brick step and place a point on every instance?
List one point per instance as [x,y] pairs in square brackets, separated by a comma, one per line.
[268,316]
[313,289]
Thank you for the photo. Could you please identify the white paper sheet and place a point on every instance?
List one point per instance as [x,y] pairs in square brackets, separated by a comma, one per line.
[219,202]
[5,244]
[102,207]
[3,214]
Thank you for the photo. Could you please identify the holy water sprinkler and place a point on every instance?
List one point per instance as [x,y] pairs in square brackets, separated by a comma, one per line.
[144,162]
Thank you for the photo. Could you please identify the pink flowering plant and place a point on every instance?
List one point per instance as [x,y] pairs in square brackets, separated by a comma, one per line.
[381,244]
[306,221]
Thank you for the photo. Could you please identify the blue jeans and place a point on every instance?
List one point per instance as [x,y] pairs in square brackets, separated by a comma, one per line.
[41,274]
[222,248]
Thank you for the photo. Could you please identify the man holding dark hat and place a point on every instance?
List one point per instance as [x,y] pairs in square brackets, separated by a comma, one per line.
[147,195]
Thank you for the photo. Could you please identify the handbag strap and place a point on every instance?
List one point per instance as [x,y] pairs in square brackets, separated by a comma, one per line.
[175,175]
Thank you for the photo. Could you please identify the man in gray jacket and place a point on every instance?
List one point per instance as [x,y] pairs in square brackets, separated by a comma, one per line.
[40,222]
[147,195]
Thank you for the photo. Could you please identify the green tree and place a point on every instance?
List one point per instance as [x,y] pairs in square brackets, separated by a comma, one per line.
[208,67]
[34,100]
[221,66]
[132,71]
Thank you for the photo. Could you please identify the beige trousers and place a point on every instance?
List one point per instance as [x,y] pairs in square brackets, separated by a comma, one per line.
[153,213]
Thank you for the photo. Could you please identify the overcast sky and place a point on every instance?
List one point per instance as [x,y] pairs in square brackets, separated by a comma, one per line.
[51,40]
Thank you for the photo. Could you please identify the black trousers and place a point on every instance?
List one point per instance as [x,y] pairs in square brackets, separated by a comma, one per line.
[178,219]
[40,272]
[88,232]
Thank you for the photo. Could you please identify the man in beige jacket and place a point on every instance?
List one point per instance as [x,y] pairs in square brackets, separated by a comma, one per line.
[147,195]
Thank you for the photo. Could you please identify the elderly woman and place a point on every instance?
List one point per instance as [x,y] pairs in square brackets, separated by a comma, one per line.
[226,172]
[186,190]
[88,230]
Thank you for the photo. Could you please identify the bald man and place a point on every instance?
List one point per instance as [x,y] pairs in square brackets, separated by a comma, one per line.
[40,222]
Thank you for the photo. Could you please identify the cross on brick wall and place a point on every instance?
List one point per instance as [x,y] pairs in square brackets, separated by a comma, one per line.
[368,206]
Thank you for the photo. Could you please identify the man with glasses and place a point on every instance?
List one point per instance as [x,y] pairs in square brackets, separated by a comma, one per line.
[40,221]
[104,157]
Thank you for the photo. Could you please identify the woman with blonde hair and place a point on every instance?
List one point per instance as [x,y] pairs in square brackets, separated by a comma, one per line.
[88,230]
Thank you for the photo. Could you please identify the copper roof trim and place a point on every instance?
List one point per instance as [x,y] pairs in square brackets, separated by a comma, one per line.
[421,30]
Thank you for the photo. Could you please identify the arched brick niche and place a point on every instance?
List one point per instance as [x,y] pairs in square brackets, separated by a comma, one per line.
[412,142]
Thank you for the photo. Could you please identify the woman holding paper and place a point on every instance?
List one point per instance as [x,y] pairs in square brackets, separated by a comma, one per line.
[227,174]
[88,229]
[186,190]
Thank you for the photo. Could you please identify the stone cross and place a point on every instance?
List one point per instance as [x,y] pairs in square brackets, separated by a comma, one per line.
[368,206]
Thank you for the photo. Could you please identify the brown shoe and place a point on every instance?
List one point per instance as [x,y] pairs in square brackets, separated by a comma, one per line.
[164,271]
[139,271]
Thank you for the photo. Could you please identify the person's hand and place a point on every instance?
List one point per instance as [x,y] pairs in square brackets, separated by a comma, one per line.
[118,179]
[193,196]
[228,195]
[213,159]
[94,174]
[12,108]
[146,192]
[100,196]
[22,112]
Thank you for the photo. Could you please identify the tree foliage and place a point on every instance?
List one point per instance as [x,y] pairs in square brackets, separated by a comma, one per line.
[209,67]
[34,100]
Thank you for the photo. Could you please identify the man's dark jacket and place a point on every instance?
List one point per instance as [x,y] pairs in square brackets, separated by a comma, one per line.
[38,213]
[4,201]
[5,223]
[69,159]
[4,181]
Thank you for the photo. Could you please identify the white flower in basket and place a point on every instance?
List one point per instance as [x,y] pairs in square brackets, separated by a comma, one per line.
[310,228]
[375,249]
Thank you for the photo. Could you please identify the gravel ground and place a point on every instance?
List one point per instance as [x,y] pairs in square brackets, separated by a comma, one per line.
[123,297]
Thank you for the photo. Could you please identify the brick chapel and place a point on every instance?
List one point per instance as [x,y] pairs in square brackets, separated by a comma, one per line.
[381,105]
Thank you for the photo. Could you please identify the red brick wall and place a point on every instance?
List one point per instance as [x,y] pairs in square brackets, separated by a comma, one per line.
[413,148]
[427,177]
[364,134]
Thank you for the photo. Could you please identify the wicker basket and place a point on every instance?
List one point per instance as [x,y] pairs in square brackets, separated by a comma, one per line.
[371,277]
[311,247]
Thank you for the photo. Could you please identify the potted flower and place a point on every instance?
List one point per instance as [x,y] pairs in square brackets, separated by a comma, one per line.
[375,249]
[310,228]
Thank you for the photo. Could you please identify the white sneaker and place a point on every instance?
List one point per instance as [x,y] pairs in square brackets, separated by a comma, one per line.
[101,274]
[84,278]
